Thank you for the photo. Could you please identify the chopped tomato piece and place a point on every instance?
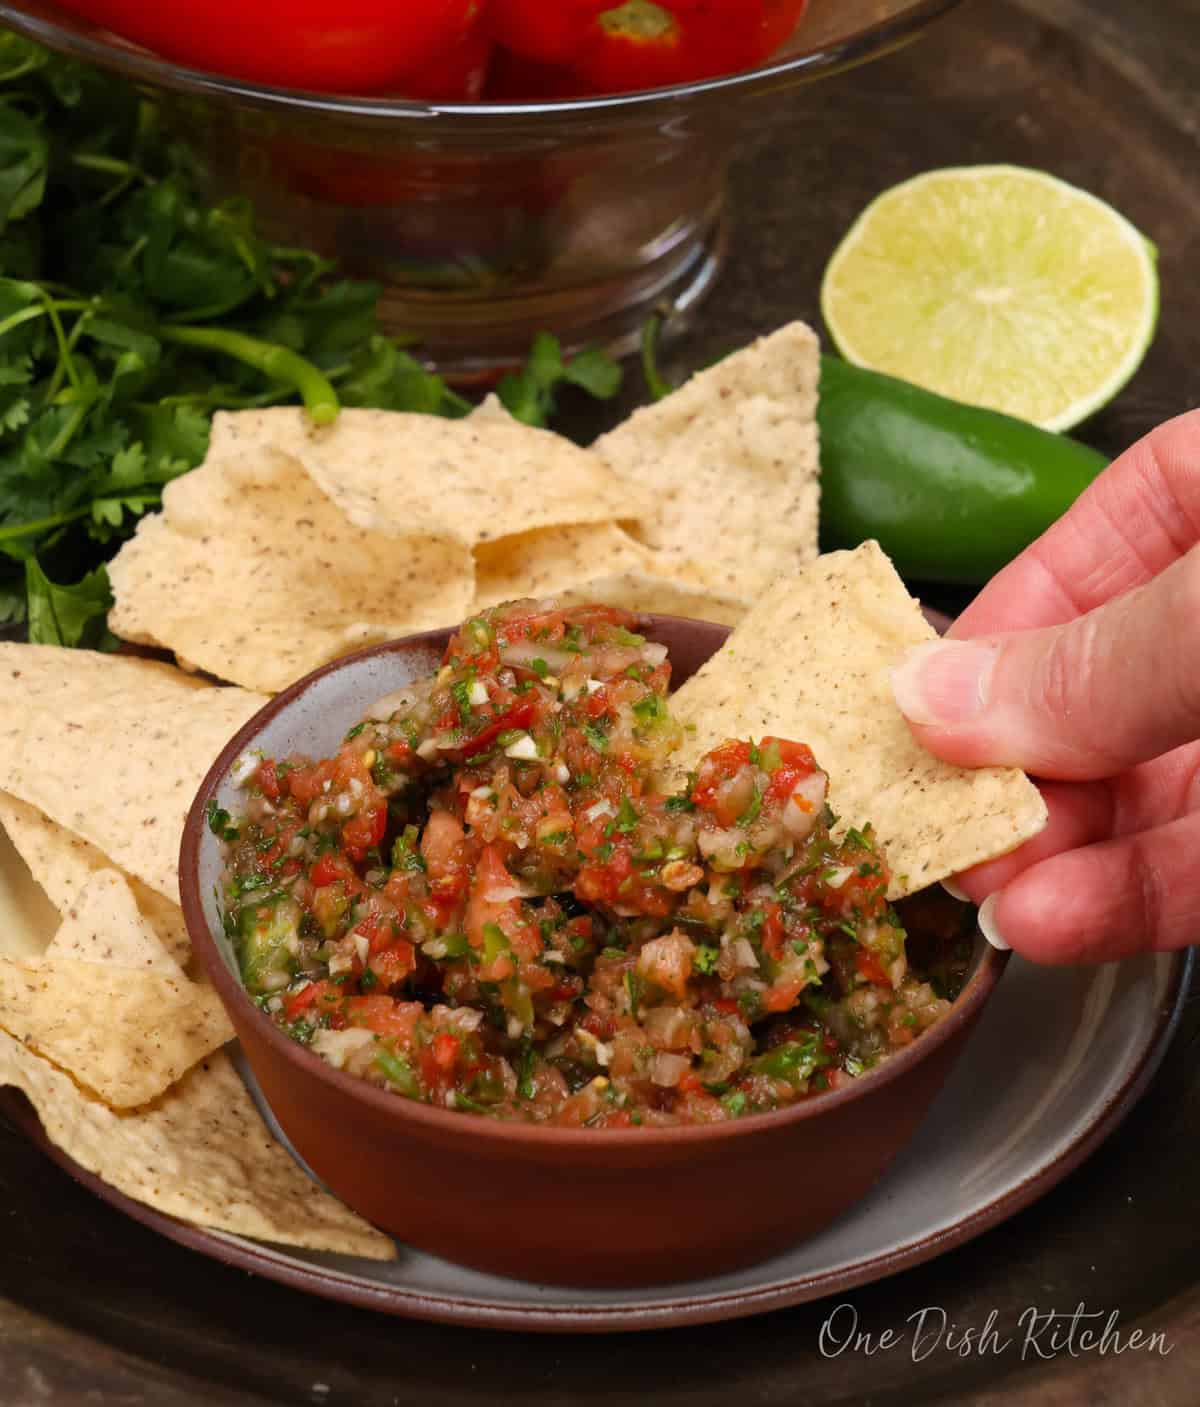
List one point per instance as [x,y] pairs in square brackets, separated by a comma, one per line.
[365,831]
[871,968]
[329,868]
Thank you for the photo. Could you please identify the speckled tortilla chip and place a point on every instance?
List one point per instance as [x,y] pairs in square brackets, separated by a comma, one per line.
[251,573]
[64,864]
[732,460]
[811,663]
[637,589]
[551,560]
[469,480]
[104,924]
[113,748]
[597,562]
[200,1152]
[127,1034]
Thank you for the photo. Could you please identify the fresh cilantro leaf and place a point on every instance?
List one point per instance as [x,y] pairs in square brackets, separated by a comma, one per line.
[530,395]
[220,822]
[705,958]
[595,372]
[68,615]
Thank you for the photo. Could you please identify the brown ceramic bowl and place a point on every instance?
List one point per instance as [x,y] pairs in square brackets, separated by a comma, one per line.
[617,1207]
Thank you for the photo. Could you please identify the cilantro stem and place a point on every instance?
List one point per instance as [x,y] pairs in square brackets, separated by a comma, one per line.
[657,384]
[65,360]
[25,315]
[28,66]
[110,165]
[44,308]
[38,525]
[279,363]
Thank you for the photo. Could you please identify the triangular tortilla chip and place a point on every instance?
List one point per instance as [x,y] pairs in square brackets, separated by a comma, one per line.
[811,663]
[104,924]
[732,460]
[550,560]
[125,1033]
[251,573]
[200,1152]
[113,748]
[63,863]
[598,562]
[468,480]
[673,594]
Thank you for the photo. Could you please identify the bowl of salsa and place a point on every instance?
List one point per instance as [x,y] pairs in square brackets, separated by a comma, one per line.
[529,997]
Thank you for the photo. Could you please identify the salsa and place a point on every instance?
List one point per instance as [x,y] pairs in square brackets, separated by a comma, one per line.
[491,901]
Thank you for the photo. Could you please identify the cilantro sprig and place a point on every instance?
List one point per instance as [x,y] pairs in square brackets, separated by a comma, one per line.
[131,310]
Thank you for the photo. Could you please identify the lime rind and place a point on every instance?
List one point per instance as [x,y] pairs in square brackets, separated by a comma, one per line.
[888,334]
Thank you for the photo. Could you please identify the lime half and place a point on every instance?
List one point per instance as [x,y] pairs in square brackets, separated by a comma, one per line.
[998,286]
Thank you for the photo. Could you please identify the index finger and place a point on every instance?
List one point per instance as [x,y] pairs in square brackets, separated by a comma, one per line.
[1138,516]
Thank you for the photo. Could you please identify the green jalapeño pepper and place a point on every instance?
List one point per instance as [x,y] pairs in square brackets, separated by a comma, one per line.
[951,492]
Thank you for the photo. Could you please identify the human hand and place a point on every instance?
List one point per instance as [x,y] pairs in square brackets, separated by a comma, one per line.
[1080,663]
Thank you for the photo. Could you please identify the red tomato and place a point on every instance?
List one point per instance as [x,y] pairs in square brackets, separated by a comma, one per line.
[612,47]
[445,1051]
[307,783]
[323,994]
[519,717]
[796,763]
[772,936]
[365,831]
[392,965]
[718,766]
[328,869]
[548,34]
[384,1015]
[268,779]
[456,76]
[358,46]
[870,967]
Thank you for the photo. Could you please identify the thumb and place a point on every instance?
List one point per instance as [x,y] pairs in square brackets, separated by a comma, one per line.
[1085,700]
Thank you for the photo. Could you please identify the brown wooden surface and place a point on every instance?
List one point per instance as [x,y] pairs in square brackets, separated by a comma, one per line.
[97,1310]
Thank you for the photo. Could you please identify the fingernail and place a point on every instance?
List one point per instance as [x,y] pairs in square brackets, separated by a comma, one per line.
[944,682]
[989,927]
[955,892]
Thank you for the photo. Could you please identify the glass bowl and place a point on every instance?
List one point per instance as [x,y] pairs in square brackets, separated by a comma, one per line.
[487,222]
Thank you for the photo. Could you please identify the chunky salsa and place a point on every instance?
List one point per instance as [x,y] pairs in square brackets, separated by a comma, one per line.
[489,901]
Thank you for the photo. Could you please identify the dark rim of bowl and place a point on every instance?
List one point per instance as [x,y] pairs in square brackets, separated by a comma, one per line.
[89,42]
[966,1007]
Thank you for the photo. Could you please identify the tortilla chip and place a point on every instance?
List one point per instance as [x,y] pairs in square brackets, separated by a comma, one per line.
[810,663]
[27,917]
[597,562]
[104,924]
[125,1033]
[491,411]
[64,863]
[251,573]
[113,748]
[640,589]
[470,481]
[732,458]
[550,560]
[201,1153]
